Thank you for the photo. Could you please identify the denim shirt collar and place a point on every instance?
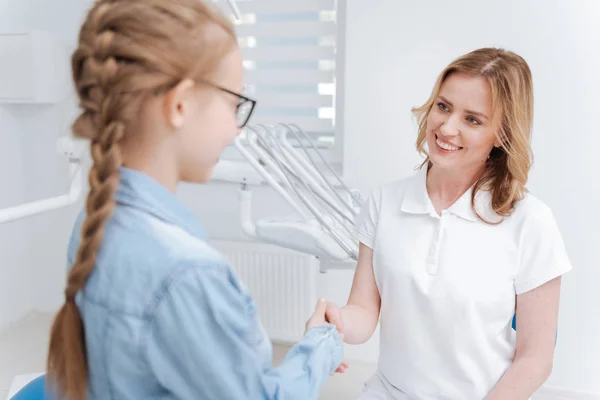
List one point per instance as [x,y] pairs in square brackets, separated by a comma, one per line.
[141,192]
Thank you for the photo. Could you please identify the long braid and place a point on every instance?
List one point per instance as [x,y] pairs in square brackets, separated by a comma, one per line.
[67,363]
[129,50]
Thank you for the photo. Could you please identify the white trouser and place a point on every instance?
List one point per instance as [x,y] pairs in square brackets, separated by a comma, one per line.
[378,388]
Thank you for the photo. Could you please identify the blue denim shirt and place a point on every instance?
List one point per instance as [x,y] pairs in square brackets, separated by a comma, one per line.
[166,318]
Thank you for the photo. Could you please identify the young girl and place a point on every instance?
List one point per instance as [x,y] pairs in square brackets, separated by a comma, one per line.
[151,310]
[448,254]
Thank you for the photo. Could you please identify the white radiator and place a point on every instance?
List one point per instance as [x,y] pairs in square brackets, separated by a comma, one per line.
[282,283]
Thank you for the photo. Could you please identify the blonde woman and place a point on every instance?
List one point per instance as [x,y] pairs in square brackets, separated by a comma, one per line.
[448,255]
[151,310]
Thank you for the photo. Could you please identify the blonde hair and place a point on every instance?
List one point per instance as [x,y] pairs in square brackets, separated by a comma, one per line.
[507,168]
[128,50]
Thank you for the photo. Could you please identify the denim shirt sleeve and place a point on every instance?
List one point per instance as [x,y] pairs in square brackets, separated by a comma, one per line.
[198,345]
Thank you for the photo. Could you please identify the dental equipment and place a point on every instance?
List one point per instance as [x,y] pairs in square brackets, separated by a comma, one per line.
[324,206]
[67,147]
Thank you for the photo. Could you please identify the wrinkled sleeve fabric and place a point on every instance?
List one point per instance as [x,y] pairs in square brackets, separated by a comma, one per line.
[201,342]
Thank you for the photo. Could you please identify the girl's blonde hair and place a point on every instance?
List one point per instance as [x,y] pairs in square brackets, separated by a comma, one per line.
[128,50]
[507,168]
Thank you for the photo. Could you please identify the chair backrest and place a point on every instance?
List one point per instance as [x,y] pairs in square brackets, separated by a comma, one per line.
[34,390]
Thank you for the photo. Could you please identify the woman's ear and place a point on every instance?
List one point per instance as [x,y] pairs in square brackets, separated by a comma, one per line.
[500,139]
[176,103]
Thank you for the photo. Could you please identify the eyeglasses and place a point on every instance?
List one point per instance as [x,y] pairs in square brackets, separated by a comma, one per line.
[245,105]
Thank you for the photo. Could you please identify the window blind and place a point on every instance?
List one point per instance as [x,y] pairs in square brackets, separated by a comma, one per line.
[289,49]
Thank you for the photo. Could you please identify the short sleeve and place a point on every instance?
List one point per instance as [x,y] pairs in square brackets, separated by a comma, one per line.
[366,221]
[542,252]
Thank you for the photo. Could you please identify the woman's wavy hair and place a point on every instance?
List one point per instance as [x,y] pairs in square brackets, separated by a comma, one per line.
[508,165]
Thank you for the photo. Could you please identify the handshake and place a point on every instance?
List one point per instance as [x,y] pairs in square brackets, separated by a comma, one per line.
[328,313]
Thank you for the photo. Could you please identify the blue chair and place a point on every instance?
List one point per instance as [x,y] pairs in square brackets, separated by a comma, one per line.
[34,390]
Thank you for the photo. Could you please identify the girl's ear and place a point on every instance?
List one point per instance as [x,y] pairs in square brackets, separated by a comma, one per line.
[177,103]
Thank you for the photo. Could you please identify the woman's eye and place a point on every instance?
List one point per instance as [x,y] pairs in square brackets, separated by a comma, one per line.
[442,107]
[473,121]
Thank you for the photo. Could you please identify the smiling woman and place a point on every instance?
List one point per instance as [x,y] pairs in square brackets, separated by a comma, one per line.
[487,96]
[449,255]
[448,118]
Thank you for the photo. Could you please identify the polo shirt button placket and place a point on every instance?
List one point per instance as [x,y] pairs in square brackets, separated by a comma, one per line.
[434,250]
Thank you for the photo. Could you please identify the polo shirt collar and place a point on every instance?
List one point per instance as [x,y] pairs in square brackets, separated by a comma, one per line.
[416,200]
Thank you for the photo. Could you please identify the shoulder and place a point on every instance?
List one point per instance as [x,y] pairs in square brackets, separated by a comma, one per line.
[530,209]
[542,251]
[531,205]
[533,220]
[397,188]
[392,191]
[167,248]
[139,235]
[141,257]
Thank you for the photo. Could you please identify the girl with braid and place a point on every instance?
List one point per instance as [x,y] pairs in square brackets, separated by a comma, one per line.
[151,310]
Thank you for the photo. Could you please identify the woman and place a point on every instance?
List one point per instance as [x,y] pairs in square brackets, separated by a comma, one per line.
[152,311]
[447,255]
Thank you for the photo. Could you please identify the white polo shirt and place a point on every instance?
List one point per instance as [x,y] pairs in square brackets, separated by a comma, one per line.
[448,285]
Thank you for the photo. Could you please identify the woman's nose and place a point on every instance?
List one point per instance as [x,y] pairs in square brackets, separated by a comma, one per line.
[450,127]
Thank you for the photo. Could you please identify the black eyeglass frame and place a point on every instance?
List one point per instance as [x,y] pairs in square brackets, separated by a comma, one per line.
[243,99]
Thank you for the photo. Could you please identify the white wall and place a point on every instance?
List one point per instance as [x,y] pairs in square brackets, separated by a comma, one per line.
[395,49]
[32,265]
[13,241]
[32,261]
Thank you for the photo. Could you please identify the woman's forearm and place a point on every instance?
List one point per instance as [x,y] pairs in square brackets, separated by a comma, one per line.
[359,323]
[522,379]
